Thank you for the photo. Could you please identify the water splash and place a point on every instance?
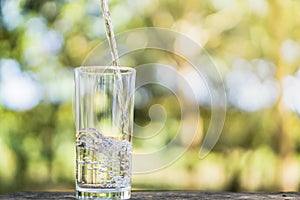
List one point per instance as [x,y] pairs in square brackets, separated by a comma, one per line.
[102,161]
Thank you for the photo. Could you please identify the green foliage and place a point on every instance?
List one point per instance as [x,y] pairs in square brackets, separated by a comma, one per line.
[258,150]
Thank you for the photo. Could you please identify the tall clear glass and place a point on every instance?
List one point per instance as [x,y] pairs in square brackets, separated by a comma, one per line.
[104,100]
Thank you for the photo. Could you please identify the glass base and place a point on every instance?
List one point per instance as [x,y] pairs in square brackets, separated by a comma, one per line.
[92,193]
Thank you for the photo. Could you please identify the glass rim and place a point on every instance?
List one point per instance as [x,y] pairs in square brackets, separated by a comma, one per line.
[104,69]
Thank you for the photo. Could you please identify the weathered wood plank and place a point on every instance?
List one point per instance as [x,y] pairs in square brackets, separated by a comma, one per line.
[174,195]
[177,195]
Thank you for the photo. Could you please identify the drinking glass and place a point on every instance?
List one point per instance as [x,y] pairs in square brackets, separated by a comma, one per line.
[104,100]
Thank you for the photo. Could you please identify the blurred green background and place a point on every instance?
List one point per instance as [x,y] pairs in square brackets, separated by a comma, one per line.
[254,43]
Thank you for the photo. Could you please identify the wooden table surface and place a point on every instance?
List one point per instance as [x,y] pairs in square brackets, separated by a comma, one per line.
[174,195]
